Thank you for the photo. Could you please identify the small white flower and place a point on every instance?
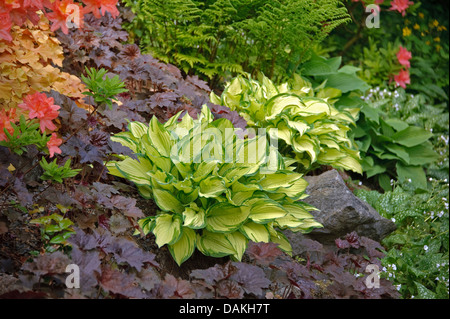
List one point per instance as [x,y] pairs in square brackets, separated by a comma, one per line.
[393,219]
[409,180]
[394,267]
[425,247]
[437,265]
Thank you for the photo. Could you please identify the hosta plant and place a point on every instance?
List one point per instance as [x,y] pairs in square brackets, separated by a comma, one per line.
[216,191]
[310,129]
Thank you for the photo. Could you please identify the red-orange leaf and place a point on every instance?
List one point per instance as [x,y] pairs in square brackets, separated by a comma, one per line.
[105,6]
[63,12]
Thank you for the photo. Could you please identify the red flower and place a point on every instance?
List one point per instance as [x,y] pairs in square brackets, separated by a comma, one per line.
[105,5]
[42,108]
[402,78]
[64,12]
[53,145]
[6,117]
[33,3]
[403,57]
[400,6]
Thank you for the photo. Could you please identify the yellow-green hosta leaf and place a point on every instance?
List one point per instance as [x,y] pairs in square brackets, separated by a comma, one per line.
[161,180]
[315,106]
[239,244]
[234,88]
[184,247]
[304,144]
[214,244]
[307,226]
[298,211]
[255,232]
[284,132]
[195,219]
[330,142]
[145,191]
[279,179]
[167,202]
[289,221]
[245,186]
[147,224]
[206,114]
[340,159]
[159,137]
[138,129]
[225,218]
[172,123]
[296,190]
[239,197]
[280,103]
[324,129]
[214,98]
[212,186]
[112,169]
[135,170]
[269,87]
[266,210]
[236,172]
[167,229]
[184,185]
[280,239]
[187,198]
[298,125]
[126,139]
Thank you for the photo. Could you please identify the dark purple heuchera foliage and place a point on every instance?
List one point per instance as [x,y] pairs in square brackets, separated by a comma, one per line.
[155,88]
[118,267]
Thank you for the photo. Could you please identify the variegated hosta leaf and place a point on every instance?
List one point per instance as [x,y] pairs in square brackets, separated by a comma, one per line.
[167,229]
[225,218]
[214,244]
[184,247]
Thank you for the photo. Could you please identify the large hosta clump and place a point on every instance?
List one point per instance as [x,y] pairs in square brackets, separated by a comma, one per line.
[216,190]
[311,130]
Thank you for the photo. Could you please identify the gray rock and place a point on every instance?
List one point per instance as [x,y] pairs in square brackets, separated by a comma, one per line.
[341,212]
